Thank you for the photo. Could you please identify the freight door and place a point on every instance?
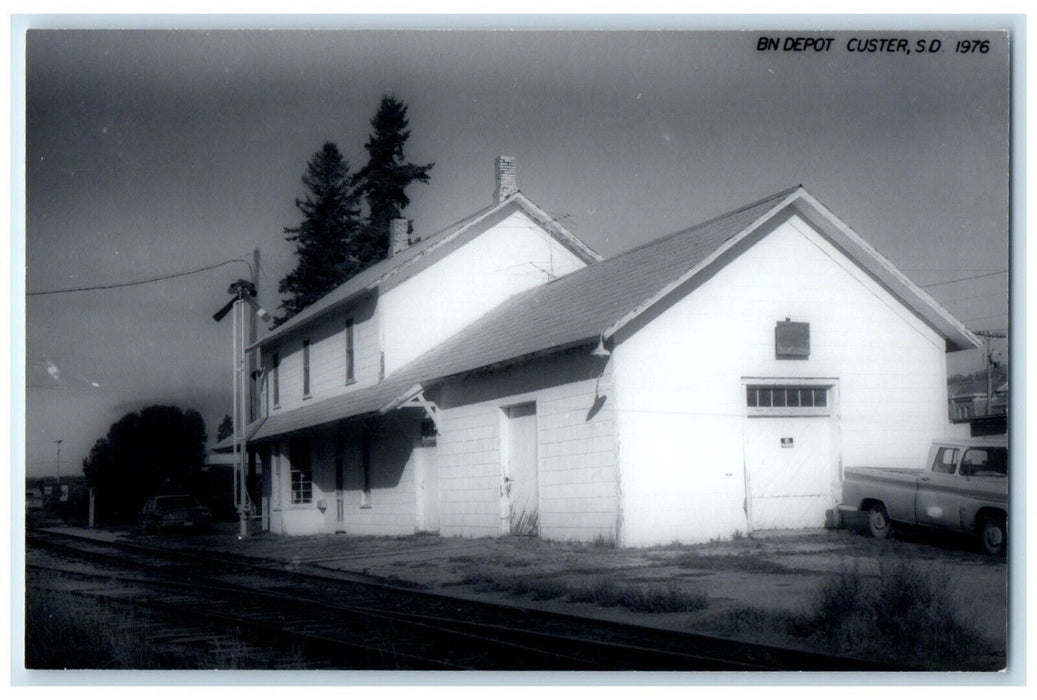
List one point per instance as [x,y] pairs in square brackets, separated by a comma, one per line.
[520,470]
[788,472]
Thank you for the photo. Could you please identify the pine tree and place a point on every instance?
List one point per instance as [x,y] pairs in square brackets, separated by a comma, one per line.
[385,177]
[325,239]
[225,429]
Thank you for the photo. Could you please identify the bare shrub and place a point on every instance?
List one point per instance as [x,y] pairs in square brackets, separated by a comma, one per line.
[906,613]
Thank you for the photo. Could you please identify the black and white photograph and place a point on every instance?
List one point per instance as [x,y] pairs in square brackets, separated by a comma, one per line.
[522,349]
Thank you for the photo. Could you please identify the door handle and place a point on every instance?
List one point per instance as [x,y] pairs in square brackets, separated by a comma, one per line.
[924,478]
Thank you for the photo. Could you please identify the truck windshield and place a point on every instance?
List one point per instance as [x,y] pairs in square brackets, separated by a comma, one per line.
[985,462]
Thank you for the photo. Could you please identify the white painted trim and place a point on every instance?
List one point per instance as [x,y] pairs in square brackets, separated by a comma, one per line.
[864,250]
[833,415]
[868,282]
[887,266]
[709,260]
[545,221]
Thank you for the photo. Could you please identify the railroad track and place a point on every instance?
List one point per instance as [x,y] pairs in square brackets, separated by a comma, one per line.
[353,623]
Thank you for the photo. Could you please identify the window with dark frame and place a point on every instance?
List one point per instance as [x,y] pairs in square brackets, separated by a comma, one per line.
[350,365]
[306,368]
[779,397]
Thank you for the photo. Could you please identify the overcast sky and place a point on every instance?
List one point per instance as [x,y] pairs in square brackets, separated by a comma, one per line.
[150,153]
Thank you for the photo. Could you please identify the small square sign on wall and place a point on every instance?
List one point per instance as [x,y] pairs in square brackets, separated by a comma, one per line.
[787,442]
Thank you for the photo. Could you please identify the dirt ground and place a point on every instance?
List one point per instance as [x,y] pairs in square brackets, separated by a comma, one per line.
[779,571]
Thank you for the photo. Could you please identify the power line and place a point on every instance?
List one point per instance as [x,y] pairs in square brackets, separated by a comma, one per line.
[139,282]
[964,279]
[980,318]
[1003,292]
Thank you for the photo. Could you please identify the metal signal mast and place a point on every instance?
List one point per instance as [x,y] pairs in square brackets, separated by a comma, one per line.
[243,293]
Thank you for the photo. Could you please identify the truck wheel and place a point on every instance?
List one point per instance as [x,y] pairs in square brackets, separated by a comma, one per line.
[879,526]
[993,535]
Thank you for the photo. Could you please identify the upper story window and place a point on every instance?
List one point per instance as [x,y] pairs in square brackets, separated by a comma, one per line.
[350,357]
[275,378]
[306,368]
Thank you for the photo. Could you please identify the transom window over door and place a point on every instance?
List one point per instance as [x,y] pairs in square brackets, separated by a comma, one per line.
[790,399]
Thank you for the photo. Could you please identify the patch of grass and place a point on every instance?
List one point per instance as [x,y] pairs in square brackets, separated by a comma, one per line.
[462,559]
[604,592]
[545,589]
[648,599]
[61,633]
[903,615]
[753,619]
[727,562]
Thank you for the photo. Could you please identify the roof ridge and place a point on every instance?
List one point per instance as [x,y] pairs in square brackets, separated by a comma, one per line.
[777,195]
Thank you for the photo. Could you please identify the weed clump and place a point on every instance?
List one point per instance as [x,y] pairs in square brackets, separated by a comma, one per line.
[603,592]
[651,599]
[904,614]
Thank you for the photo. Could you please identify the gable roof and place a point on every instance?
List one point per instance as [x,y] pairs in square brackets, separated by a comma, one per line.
[408,262]
[592,304]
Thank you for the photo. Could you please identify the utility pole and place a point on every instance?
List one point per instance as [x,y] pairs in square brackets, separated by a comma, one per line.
[989,336]
[59,462]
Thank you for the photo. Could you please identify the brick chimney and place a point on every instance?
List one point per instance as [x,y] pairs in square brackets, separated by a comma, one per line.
[507,181]
[399,237]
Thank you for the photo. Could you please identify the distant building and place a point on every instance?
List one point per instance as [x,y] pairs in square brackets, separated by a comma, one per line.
[498,378]
[968,405]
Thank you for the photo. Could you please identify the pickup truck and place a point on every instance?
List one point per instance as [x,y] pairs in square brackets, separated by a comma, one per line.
[963,488]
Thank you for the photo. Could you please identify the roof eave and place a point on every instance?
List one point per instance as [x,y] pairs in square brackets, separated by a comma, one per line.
[730,243]
[956,335]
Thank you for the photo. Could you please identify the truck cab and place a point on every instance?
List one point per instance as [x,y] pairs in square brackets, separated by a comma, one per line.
[963,488]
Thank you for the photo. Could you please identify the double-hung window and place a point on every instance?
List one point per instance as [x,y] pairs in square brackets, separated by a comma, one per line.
[306,368]
[350,356]
[275,379]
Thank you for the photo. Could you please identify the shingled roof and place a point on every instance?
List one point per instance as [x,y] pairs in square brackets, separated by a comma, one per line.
[591,304]
[416,257]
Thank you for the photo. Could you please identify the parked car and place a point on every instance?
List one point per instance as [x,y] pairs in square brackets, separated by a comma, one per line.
[963,488]
[181,511]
